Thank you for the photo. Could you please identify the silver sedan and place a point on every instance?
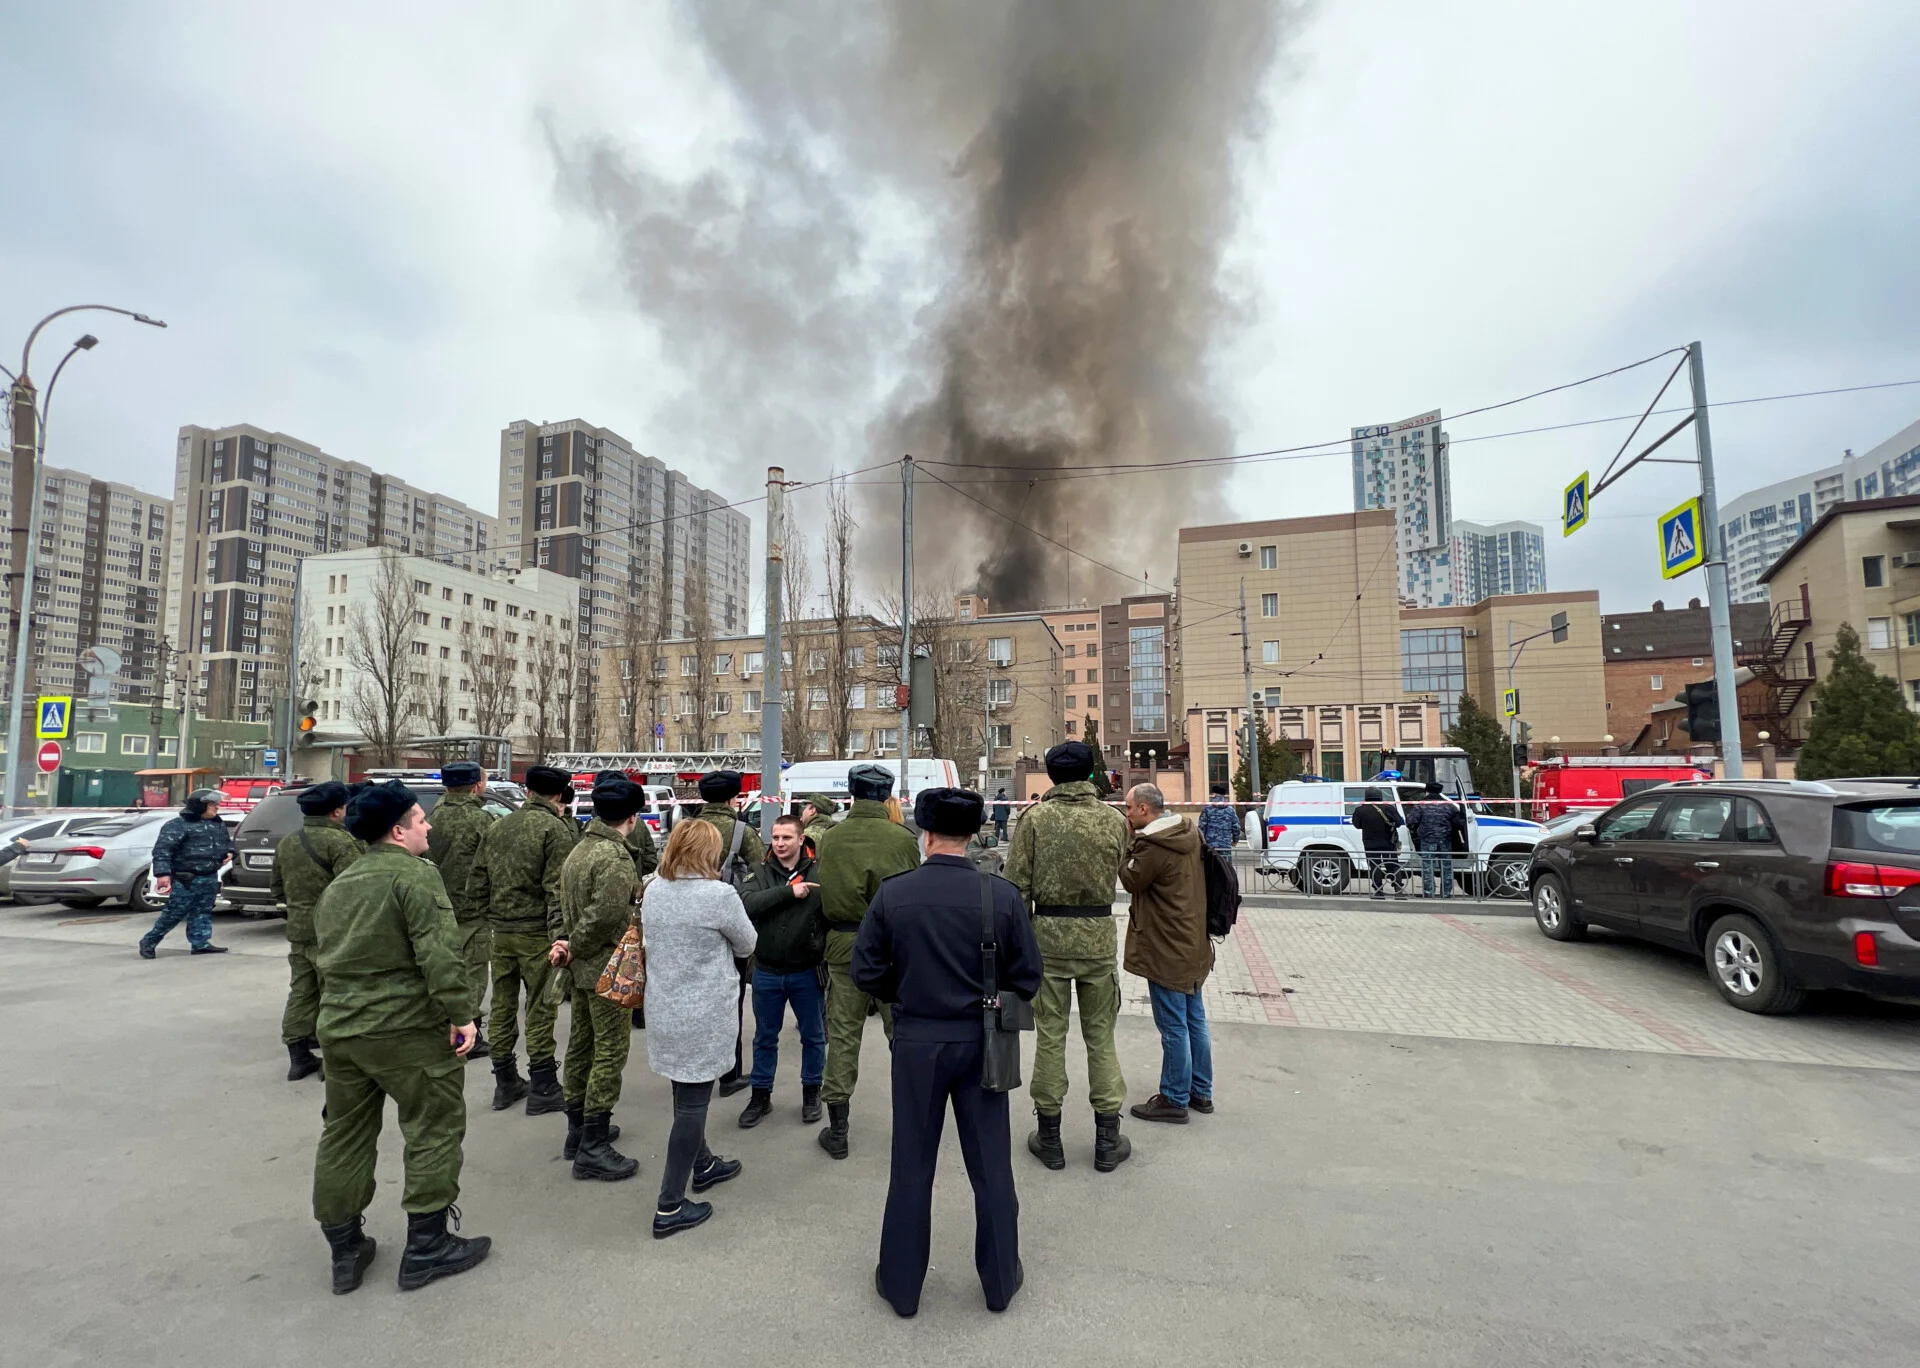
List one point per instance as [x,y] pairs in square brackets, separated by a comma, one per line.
[92,861]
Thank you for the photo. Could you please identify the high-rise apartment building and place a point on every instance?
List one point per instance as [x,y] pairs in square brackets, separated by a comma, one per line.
[1403,466]
[248,505]
[1501,558]
[643,541]
[100,580]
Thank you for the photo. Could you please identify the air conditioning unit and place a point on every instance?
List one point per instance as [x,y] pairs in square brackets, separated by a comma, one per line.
[1907,560]
[1471,631]
[1246,549]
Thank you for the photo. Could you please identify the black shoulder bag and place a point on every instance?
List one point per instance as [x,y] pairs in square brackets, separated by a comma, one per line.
[1003,1017]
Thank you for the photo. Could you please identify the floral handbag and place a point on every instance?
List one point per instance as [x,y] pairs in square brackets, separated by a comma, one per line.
[624,981]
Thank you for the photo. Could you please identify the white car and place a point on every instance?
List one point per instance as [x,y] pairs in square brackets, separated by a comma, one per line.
[1310,835]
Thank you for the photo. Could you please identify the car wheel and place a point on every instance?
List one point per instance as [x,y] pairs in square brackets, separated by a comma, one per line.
[1553,910]
[1325,872]
[1507,876]
[140,896]
[1746,967]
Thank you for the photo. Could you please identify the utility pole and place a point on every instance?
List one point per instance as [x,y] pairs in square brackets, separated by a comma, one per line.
[1719,615]
[155,712]
[293,675]
[1254,791]
[1513,723]
[906,620]
[25,408]
[771,648]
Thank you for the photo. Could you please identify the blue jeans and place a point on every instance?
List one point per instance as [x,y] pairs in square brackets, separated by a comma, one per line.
[1440,863]
[1186,1049]
[771,994]
[190,902]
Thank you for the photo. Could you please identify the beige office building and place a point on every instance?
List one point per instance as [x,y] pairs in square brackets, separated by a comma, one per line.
[1562,685]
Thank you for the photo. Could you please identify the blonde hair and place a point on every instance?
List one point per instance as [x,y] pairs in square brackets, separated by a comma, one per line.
[894,814]
[693,851]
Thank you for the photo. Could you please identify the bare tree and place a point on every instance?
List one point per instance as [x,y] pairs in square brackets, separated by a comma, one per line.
[698,687]
[639,647]
[440,700]
[550,661]
[380,644]
[959,676]
[493,676]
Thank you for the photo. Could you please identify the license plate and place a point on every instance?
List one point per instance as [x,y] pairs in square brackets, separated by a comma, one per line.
[37,861]
[259,859]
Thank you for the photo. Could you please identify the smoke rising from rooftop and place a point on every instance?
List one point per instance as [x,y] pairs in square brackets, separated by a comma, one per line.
[988,234]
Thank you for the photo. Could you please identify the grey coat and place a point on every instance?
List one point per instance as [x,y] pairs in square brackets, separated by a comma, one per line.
[694,929]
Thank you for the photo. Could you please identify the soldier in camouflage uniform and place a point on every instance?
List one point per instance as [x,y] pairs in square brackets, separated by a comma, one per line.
[459,821]
[646,856]
[719,791]
[850,861]
[392,996]
[817,811]
[598,888]
[303,865]
[1065,859]
[516,878]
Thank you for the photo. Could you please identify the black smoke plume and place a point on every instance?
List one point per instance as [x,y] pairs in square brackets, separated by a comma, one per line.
[986,233]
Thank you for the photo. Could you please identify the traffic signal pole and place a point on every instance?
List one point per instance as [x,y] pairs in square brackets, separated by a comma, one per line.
[1719,611]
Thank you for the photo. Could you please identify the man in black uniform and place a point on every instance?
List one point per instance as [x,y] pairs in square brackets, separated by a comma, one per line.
[919,949]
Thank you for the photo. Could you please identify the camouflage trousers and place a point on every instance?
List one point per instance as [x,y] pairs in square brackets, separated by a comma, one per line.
[427,1082]
[302,1015]
[598,1037]
[520,962]
[846,1021]
[1097,984]
[474,940]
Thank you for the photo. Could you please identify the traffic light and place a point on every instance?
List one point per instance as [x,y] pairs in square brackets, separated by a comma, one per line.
[1703,710]
[1519,755]
[1522,738]
[307,724]
[1559,623]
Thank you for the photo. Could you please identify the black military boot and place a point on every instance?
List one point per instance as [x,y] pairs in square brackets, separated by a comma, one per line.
[833,1136]
[809,1101]
[480,1048]
[544,1093]
[576,1112]
[596,1157]
[508,1086]
[1111,1149]
[757,1108]
[433,1253]
[1045,1142]
[352,1252]
[300,1061]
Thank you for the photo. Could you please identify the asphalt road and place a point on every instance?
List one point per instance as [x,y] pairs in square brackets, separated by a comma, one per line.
[1360,1198]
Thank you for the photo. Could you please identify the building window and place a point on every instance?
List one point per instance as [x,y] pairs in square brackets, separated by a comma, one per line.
[1912,621]
[91,743]
[1433,660]
[1000,650]
[817,743]
[1269,653]
[1658,682]
[857,697]
[1002,735]
[1270,558]
[999,691]
[133,745]
[1879,634]
[689,666]
[750,701]
[1873,571]
[1269,605]
[756,662]
[723,664]
[1072,727]
[887,738]
[1146,659]
[169,745]
[1093,676]
[1333,766]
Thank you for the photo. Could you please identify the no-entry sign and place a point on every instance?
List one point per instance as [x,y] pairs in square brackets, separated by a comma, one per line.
[49,757]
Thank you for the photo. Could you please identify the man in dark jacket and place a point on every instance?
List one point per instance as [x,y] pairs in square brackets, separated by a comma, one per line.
[919,949]
[304,863]
[1380,822]
[783,902]
[187,856]
[1439,828]
[1001,812]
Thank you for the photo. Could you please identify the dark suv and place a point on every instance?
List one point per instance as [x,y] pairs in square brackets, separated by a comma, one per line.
[249,888]
[1781,885]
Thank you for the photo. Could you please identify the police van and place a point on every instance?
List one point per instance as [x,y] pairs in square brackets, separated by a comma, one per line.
[1312,839]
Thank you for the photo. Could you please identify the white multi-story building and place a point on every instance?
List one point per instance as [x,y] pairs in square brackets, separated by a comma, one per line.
[1403,466]
[1497,558]
[486,654]
[1761,525]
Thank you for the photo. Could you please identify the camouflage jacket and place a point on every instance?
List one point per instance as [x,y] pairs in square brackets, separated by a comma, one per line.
[304,864]
[191,845]
[723,819]
[646,856]
[851,860]
[384,946]
[459,821]
[598,885]
[516,871]
[1066,851]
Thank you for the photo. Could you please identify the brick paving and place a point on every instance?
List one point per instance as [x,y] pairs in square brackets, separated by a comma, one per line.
[1487,977]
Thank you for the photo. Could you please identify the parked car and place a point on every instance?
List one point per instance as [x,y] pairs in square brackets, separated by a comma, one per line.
[1779,885]
[93,861]
[249,888]
[244,791]
[41,827]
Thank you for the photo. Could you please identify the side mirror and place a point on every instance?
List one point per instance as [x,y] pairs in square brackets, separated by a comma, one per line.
[1586,833]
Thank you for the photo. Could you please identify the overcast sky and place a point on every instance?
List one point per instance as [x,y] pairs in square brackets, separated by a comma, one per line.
[357,227]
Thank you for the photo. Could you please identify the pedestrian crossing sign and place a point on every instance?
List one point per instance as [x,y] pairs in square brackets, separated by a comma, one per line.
[1573,507]
[1683,539]
[55,714]
[1510,702]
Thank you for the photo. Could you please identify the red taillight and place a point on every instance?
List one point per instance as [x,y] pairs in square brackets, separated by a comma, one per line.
[97,852]
[1866,949]
[1854,879]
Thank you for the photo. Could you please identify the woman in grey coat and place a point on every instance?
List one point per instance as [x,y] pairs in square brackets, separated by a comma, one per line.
[695,927]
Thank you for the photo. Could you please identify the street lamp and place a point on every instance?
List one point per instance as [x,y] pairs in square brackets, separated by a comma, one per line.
[29,420]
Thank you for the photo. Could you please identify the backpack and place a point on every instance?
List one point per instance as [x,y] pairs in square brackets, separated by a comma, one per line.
[734,867]
[1223,892]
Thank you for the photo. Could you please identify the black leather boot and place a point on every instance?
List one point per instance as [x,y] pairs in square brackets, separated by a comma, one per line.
[575,1115]
[352,1252]
[543,1090]
[1111,1149]
[433,1253]
[833,1136]
[508,1086]
[480,1048]
[809,1101]
[596,1157]
[300,1060]
[757,1108]
[1045,1142]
